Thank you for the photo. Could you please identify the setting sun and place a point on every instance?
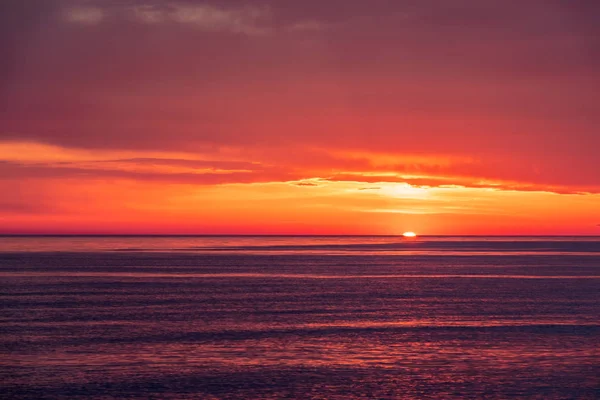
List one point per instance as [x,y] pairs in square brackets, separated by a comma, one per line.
[409,234]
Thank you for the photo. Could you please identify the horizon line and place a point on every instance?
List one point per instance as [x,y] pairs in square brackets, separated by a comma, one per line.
[274,235]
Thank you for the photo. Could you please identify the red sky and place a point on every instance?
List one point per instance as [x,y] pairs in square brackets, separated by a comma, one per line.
[329,117]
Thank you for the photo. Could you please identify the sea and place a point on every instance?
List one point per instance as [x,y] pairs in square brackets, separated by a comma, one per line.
[299,317]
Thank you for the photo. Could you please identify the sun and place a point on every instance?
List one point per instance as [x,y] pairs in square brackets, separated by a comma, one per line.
[409,234]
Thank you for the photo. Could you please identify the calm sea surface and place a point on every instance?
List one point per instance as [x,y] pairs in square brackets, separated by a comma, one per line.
[300,317]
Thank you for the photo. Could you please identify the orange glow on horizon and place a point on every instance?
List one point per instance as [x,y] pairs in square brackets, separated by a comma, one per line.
[160,204]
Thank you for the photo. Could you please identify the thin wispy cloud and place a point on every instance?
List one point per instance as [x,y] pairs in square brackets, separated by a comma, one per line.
[148,14]
[247,20]
[84,15]
[307,26]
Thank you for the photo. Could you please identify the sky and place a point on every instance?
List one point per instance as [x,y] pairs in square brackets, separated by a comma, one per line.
[300,117]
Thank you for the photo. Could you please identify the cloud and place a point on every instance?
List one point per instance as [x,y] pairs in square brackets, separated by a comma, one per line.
[307,26]
[251,20]
[246,20]
[190,163]
[247,165]
[66,164]
[84,15]
[304,183]
[148,14]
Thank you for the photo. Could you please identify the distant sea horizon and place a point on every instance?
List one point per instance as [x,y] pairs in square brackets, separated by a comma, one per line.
[291,235]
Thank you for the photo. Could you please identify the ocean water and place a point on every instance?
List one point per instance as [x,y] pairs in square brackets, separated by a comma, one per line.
[300,317]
